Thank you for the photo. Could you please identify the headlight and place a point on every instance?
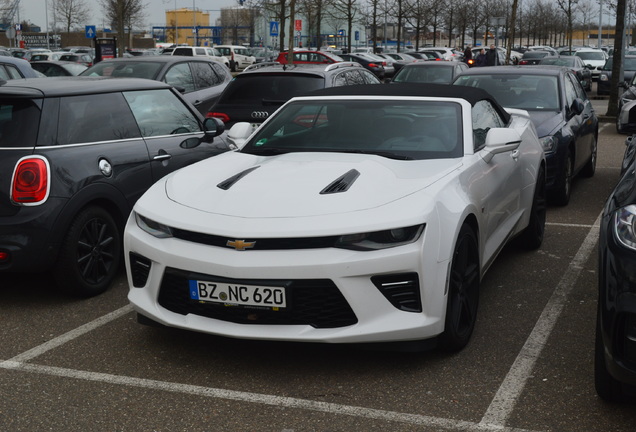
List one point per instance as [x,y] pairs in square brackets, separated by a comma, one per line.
[603,77]
[153,228]
[549,144]
[380,239]
[624,226]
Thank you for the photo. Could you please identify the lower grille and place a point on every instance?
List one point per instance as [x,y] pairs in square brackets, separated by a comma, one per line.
[314,302]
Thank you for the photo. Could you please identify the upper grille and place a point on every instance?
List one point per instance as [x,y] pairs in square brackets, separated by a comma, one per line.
[314,302]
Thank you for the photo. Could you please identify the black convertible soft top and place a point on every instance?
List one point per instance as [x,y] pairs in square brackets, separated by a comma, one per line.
[470,94]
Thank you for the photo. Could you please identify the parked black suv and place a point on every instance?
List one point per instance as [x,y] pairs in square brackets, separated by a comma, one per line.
[75,155]
[261,89]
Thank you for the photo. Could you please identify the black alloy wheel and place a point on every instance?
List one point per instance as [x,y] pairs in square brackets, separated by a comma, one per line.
[590,167]
[463,292]
[561,195]
[91,254]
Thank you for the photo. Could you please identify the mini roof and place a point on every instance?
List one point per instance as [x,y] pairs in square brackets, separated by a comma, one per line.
[471,94]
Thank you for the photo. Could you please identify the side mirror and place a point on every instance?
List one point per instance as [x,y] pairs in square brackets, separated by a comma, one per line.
[500,140]
[578,106]
[212,127]
[239,133]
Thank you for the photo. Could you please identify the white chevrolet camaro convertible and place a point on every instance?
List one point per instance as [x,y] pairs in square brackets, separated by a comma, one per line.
[358,214]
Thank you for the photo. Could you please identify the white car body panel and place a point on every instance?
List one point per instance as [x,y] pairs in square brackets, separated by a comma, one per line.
[280,199]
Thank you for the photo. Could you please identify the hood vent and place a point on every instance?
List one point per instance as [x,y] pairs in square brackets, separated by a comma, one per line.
[342,183]
[226,184]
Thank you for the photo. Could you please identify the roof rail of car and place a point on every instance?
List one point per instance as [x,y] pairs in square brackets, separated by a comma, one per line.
[260,65]
[341,64]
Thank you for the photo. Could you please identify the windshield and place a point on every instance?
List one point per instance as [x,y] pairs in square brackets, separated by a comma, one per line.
[629,64]
[559,61]
[591,55]
[395,129]
[529,92]
[128,69]
[425,74]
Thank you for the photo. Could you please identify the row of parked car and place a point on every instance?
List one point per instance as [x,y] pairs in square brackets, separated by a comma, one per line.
[81,200]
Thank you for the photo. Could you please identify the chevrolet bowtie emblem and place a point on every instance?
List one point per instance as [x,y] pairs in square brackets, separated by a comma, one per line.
[240,245]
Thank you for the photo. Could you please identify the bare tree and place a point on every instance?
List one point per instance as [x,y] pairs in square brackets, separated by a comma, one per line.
[70,12]
[122,14]
[349,11]
[569,8]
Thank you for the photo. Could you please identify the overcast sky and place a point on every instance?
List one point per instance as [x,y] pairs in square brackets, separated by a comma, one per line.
[34,11]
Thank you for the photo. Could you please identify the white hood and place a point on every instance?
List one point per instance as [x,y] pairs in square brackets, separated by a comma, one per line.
[290,185]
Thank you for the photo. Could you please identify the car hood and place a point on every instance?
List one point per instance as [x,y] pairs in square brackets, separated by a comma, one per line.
[300,184]
[546,122]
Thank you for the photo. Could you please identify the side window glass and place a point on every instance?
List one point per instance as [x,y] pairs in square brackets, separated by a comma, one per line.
[204,76]
[369,77]
[161,112]
[4,74]
[82,119]
[485,117]
[353,77]
[578,88]
[180,75]
[220,70]
[340,80]
[200,51]
[14,73]
[570,92]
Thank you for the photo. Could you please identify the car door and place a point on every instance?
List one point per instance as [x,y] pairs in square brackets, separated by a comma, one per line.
[100,131]
[497,184]
[171,130]
[581,124]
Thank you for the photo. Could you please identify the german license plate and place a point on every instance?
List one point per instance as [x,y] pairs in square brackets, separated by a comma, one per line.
[238,294]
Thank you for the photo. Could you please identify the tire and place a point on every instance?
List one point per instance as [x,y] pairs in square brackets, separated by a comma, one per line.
[532,236]
[463,292]
[561,195]
[91,254]
[607,387]
[619,128]
[590,167]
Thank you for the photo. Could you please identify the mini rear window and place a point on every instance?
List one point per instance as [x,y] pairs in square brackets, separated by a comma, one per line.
[19,119]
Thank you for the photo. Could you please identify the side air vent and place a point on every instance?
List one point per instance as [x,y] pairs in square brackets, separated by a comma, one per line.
[226,184]
[402,290]
[342,183]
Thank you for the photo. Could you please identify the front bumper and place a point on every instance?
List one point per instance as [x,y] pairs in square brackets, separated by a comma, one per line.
[367,314]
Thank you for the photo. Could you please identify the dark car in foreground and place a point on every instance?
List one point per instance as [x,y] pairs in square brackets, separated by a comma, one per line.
[605,75]
[201,80]
[615,346]
[261,89]
[77,153]
[561,111]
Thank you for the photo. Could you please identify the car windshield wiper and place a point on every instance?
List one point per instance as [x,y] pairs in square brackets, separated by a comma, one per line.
[388,155]
[266,151]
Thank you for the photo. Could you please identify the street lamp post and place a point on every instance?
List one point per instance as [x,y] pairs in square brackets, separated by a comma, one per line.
[46,16]
[176,27]
[194,22]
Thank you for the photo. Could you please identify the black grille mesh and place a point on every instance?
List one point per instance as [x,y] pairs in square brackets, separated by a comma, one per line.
[315,302]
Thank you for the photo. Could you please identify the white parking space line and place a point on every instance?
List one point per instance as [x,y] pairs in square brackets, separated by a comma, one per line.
[69,336]
[494,419]
[270,400]
[506,398]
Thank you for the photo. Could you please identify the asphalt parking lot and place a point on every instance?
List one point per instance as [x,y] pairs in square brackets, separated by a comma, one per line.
[86,365]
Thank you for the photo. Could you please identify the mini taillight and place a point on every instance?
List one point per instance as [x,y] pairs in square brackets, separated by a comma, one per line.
[373,65]
[523,62]
[4,256]
[30,185]
[222,116]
